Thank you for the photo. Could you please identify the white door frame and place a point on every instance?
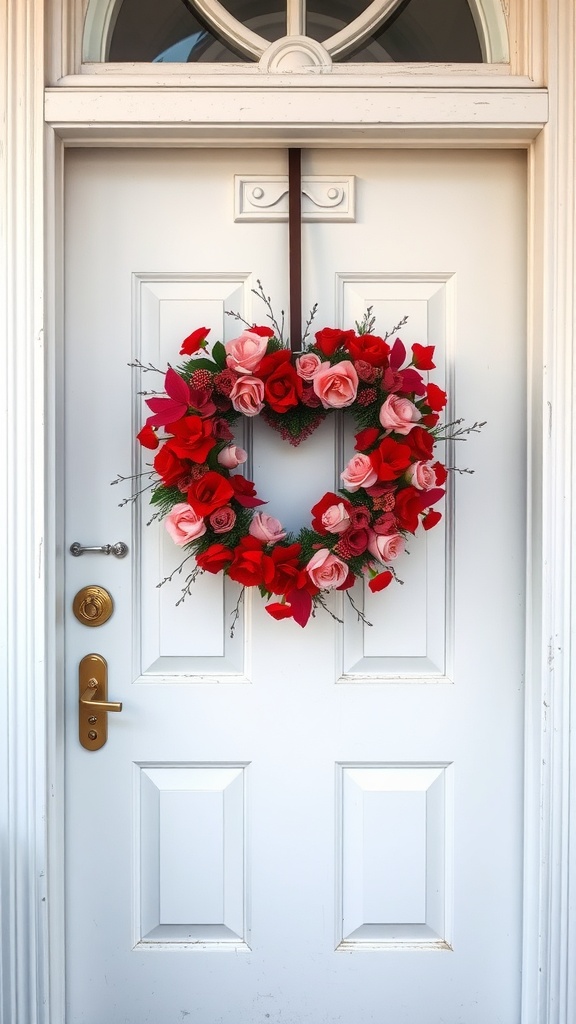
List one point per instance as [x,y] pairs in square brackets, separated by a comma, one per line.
[484,109]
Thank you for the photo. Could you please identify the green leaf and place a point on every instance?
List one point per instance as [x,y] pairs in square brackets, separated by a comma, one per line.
[219,355]
[202,364]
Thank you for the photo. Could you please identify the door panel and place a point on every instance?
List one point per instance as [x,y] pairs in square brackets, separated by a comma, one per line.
[286,824]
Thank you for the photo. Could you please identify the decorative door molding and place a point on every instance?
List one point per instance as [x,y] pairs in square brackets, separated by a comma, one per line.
[30,642]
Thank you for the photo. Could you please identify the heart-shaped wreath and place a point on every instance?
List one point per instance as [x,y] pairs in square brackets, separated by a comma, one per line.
[388,487]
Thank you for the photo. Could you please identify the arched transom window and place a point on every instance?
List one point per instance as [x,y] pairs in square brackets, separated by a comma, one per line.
[288,34]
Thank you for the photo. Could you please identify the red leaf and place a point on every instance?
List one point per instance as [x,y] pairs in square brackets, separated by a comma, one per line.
[165,410]
[397,355]
[301,605]
[412,381]
[431,519]
[247,501]
[176,387]
[431,497]
[279,611]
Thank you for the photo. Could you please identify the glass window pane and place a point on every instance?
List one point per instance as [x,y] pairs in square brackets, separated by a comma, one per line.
[419,30]
[167,31]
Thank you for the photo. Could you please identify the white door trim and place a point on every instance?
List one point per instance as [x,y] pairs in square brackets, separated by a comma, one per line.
[30,655]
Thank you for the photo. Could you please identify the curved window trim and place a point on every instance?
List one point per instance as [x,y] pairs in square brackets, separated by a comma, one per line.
[488,17]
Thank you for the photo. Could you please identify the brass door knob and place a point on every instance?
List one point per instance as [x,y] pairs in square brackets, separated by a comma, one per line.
[93,605]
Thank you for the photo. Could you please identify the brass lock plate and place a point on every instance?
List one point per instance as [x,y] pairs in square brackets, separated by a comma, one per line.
[93,706]
[93,606]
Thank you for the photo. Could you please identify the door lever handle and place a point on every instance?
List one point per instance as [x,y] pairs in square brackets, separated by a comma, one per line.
[93,703]
[89,697]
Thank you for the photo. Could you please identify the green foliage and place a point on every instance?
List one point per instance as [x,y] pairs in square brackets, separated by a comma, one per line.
[165,498]
[199,364]
[219,355]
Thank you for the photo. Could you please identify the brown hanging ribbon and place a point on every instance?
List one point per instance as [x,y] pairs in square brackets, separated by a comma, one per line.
[295,246]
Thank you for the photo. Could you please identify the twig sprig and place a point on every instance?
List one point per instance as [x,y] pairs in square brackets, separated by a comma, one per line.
[235,613]
[366,325]
[400,324]
[188,584]
[359,612]
[177,571]
[460,433]
[278,327]
[313,312]
[149,368]
[320,600]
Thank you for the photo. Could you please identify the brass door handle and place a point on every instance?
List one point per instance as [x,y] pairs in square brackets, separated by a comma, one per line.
[93,705]
[89,697]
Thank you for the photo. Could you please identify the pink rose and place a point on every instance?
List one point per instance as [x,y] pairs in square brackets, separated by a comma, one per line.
[244,353]
[359,473]
[386,547]
[247,395]
[232,456]
[399,414]
[266,528]
[421,475]
[336,386]
[336,519]
[222,519]
[307,366]
[326,571]
[184,524]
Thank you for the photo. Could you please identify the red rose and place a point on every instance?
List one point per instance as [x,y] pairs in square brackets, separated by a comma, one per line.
[360,516]
[192,438]
[210,492]
[353,543]
[287,570]
[168,466]
[380,581]
[441,473]
[366,438]
[435,398]
[331,338]
[390,459]
[215,558]
[147,437]
[283,388]
[263,332]
[368,347]
[251,566]
[407,509]
[422,357]
[194,341]
[222,519]
[430,419]
[271,362]
[420,443]
[221,430]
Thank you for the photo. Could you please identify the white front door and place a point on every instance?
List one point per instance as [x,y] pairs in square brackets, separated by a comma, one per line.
[297,825]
